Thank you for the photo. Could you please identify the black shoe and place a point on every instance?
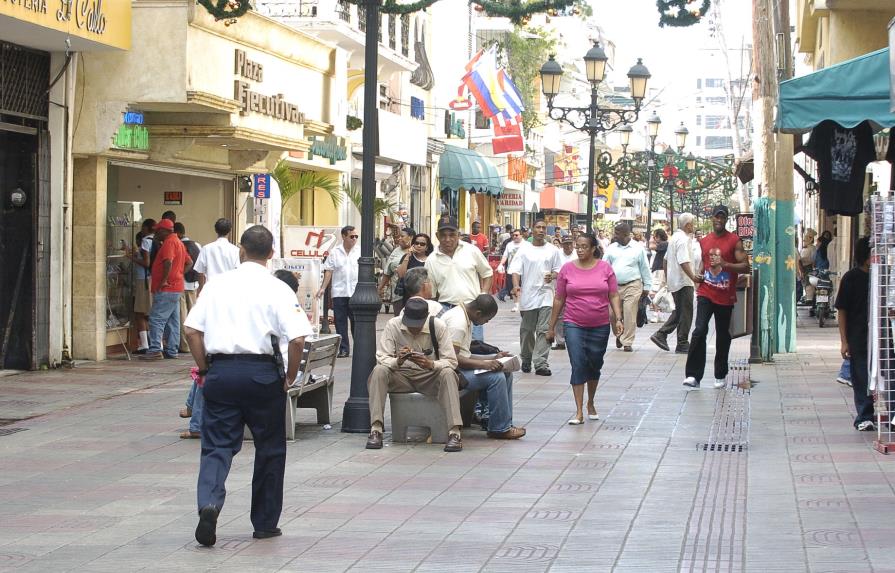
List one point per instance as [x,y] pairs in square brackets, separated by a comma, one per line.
[276,532]
[526,368]
[502,298]
[343,355]
[454,443]
[141,351]
[543,372]
[618,342]
[374,440]
[208,522]
[660,342]
[682,350]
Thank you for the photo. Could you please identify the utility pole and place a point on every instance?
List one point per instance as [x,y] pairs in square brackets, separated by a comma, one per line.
[775,208]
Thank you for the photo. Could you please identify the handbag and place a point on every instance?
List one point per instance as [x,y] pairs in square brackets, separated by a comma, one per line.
[641,311]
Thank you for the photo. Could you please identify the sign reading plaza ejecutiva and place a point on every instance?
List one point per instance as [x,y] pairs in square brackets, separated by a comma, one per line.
[251,101]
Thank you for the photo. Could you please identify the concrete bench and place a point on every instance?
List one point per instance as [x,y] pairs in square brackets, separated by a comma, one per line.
[418,410]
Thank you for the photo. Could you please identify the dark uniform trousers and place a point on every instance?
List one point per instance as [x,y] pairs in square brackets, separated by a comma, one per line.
[244,391]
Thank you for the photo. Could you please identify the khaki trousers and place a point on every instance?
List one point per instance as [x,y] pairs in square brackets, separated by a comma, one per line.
[630,294]
[440,383]
[187,302]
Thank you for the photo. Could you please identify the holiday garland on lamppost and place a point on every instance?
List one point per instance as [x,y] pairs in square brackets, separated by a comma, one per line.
[365,303]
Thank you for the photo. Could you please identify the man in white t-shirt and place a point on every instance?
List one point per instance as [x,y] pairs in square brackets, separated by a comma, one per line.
[340,269]
[567,255]
[534,270]
[217,257]
[681,277]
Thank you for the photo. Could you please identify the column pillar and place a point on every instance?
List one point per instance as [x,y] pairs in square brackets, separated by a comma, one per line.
[90,188]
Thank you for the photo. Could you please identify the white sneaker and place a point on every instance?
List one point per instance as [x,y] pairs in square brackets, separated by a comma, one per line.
[842,380]
[720,382]
[515,308]
[691,382]
[866,426]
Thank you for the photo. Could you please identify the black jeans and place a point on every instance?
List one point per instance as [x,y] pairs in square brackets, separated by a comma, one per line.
[859,381]
[705,310]
[344,314]
[682,317]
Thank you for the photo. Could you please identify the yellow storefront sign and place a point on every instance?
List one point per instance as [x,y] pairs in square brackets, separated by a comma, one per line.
[105,22]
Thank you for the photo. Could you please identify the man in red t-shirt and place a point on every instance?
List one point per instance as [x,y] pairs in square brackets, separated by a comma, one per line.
[166,284]
[723,259]
[477,238]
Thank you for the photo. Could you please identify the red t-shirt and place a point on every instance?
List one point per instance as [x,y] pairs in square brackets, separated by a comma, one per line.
[720,288]
[172,249]
[480,241]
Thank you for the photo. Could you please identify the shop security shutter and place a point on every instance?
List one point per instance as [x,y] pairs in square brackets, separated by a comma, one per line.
[24,79]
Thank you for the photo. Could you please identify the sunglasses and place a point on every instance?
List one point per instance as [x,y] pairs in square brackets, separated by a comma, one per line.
[353,236]
[421,244]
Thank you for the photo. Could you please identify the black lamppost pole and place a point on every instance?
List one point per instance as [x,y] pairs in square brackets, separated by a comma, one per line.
[673,174]
[365,303]
[593,119]
[652,124]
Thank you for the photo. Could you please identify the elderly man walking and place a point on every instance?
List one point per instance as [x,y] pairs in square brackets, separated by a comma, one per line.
[458,271]
[681,279]
[628,260]
[534,270]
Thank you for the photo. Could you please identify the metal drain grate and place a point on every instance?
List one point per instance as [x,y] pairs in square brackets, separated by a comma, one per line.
[10,431]
[720,447]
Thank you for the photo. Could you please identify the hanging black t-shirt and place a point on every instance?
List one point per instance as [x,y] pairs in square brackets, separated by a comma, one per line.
[854,299]
[842,156]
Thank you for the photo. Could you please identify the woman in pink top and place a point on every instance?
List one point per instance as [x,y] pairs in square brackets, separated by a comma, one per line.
[585,289]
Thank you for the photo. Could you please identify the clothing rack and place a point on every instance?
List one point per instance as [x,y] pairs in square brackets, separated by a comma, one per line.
[882,320]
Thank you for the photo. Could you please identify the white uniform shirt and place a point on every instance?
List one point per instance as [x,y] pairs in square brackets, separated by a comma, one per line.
[680,251]
[240,309]
[344,268]
[217,258]
[533,263]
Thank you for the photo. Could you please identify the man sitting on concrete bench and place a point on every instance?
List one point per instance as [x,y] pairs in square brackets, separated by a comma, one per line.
[407,361]
[497,384]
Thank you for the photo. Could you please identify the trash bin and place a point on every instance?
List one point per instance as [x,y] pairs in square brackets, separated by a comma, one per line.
[741,319]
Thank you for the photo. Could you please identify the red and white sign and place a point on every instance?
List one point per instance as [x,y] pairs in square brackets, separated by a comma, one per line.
[315,242]
[511,200]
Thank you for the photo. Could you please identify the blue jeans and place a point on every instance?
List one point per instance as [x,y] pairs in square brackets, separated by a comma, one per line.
[195,401]
[498,386]
[845,370]
[165,314]
[586,348]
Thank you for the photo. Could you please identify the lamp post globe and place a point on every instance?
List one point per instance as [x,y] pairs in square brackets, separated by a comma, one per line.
[653,124]
[691,163]
[551,76]
[638,76]
[681,134]
[624,135]
[595,64]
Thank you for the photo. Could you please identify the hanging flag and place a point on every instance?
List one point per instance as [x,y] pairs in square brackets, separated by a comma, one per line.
[508,137]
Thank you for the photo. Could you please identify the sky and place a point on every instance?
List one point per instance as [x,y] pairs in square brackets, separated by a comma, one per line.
[669,52]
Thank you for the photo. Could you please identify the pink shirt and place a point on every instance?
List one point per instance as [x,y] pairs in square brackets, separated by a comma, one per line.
[586,293]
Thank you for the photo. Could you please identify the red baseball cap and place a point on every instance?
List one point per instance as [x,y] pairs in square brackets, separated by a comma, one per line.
[164,224]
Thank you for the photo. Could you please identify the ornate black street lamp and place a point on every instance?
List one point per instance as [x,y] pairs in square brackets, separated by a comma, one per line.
[594,118]
[653,124]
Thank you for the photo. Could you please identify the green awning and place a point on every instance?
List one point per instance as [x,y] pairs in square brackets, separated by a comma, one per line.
[466,168]
[848,93]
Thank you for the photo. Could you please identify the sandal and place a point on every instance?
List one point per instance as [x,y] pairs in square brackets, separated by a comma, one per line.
[594,416]
[186,413]
[576,421]
[188,435]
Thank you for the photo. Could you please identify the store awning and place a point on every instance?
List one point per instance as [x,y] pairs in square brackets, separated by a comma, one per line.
[467,169]
[848,93]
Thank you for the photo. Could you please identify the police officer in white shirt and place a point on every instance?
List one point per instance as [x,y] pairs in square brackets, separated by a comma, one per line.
[230,332]
[217,257]
[340,269]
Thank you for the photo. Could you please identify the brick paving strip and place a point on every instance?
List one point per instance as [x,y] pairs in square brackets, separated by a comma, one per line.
[100,481]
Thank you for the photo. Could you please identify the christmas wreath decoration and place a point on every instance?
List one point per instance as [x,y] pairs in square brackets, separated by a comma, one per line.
[227,10]
[681,12]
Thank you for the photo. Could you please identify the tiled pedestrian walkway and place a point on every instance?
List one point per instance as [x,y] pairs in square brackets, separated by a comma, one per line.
[766,479]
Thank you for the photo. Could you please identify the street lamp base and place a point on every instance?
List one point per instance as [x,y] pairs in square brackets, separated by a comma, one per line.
[356,416]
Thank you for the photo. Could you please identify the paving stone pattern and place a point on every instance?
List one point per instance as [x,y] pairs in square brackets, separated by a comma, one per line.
[93,478]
